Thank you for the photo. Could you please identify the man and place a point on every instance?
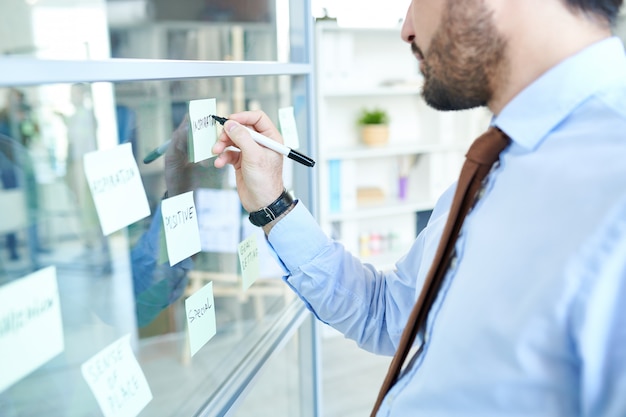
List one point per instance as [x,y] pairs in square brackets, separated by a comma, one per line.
[506,335]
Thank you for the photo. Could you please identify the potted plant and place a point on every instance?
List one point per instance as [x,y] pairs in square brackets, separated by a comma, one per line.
[374,124]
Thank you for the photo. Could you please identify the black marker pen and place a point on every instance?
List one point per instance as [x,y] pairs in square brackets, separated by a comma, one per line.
[273,145]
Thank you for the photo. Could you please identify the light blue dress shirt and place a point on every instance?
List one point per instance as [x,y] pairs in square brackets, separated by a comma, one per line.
[516,330]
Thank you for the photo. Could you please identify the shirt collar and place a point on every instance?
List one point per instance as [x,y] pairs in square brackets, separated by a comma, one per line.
[534,112]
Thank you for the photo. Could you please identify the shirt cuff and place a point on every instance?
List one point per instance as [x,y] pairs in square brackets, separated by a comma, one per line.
[297,238]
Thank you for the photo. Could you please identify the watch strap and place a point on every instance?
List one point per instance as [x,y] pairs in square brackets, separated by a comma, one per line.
[271,212]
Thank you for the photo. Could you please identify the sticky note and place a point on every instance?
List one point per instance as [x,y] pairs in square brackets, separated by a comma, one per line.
[200,310]
[221,235]
[249,261]
[31,328]
[116,187]
[202,128]
[180,223]
[117,381]
[288,128]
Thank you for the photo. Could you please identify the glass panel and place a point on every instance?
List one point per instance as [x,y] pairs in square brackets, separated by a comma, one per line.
[216,30]
[117,285]
[285,384]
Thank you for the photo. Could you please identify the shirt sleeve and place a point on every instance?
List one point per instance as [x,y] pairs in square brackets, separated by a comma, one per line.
[365,304]
[597,320]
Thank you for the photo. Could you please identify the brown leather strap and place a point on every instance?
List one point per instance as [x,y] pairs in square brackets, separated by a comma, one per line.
[478,162]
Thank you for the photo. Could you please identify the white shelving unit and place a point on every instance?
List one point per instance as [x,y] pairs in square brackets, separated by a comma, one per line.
[360,202]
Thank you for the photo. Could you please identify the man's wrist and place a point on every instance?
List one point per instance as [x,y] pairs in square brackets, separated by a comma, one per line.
[268,227]
[272,211]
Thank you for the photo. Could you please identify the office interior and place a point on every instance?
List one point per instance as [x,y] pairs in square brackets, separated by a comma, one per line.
[94,319]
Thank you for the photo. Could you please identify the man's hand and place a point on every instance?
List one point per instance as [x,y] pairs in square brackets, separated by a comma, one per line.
[258,170]
[178,169]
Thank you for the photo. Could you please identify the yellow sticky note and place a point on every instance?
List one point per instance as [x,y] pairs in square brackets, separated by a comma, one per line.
[117,381]
[249,261]
[200,310]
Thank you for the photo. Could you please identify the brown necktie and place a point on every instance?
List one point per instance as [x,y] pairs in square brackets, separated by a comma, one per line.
[478,162]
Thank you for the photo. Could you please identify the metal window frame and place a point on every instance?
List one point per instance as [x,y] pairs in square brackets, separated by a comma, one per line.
[31,71]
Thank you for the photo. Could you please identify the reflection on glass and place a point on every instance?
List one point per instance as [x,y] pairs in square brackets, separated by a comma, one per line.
[279,388]
[217,30]
[117,285]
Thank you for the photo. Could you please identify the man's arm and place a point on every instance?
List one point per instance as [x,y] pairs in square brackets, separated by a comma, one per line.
[597,318]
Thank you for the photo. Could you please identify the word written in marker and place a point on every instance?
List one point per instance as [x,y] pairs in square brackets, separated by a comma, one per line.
[181,217]
[203,123]
[197,313]
[116,380]
[109,182]
[103,363]
[122,390]
[247,254]
[15,320]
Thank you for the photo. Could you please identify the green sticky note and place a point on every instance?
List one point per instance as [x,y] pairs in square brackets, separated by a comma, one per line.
[249,261]
[200,311]
[202,128]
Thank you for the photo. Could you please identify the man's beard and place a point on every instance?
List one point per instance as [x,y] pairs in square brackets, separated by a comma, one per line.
[466,57]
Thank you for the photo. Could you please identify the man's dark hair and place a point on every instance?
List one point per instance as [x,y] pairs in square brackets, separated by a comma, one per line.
[607,9]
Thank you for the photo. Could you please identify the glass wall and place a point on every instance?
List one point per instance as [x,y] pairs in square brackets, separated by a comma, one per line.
[103,310]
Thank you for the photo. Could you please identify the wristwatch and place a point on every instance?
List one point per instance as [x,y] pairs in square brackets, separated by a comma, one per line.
[271,212]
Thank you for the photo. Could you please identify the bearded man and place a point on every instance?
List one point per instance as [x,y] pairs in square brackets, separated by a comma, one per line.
[517,324]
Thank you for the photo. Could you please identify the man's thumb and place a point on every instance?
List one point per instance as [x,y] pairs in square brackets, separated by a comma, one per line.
[237,133]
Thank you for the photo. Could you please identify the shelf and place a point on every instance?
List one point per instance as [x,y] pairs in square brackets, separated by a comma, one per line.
[387,208]
[425,145]
[364,152]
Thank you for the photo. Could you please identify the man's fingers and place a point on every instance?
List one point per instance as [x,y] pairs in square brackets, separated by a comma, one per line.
[227,157]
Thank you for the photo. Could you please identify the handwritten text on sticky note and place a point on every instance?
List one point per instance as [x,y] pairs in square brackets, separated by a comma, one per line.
[203,131]
[31,328]
[117,381]
[182,236]
[249,261]
[116,187]
[200,310]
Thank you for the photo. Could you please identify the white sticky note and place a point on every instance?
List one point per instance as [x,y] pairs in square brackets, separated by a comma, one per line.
[288,128]
[200,310]
[31,328]
[202,127]
[182,236]
[116,187]
[249,261]
[219,235]
[117,381]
